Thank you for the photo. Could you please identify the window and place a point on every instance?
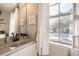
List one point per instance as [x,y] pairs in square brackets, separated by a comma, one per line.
[60,18]
[53,10]
[65,7]
[54,31]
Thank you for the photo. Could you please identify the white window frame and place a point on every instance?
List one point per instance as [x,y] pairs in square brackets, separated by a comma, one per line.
[59,15]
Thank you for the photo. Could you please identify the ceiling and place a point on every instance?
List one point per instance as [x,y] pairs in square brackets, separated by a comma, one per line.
[7,6]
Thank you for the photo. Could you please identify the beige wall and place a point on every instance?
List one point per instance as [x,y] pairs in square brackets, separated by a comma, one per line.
[6,16]
[31,28]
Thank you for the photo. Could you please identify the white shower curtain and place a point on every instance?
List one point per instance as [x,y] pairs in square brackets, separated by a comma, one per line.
[14,22]
[42,30]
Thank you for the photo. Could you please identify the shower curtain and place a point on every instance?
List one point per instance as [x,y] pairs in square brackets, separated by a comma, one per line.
[42,30]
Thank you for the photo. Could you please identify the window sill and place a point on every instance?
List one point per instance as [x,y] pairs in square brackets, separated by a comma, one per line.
[55,39]
[60,43]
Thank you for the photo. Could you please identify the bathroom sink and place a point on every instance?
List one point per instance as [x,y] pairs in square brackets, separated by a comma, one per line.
[4,48]
[17,43]
[12,48]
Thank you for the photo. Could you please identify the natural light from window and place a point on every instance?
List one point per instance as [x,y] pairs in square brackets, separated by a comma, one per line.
[60,18]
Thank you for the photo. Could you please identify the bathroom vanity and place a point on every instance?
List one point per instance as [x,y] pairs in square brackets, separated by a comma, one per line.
[11,47]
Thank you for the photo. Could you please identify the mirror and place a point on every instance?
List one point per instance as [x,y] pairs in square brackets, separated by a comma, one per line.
[17,24]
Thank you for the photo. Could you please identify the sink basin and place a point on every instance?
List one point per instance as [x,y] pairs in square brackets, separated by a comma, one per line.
[12,48]
[17,43]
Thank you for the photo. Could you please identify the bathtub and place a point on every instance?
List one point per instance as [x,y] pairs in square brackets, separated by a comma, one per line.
[59,49]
